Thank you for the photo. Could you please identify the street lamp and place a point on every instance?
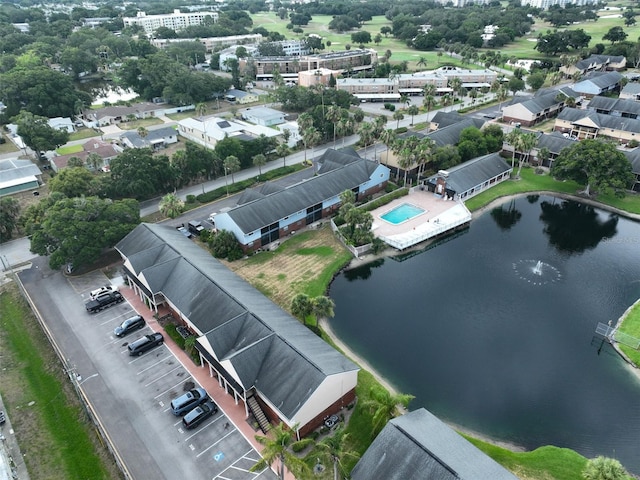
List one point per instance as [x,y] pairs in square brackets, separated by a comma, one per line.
[226,183]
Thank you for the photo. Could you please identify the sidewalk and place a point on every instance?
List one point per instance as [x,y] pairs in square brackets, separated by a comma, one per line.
[234,412]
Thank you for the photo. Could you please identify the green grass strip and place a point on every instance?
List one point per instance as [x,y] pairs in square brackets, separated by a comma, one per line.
[65,424]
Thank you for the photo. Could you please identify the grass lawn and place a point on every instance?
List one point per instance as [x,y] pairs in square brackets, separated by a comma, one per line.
[143,122]
[531,182]
[8,146]
[52,429]
[83,133]
[631,326]
[67,149]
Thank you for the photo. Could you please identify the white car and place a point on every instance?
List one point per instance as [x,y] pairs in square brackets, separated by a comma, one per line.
[212,218]
[98,291]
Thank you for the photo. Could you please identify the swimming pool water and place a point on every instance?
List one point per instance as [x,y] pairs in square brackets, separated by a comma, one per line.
[402,213]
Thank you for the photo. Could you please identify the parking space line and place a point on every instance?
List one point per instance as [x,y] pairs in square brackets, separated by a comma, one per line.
[138,358]
[153,365]
[169,389]
[211,446]
[164,375]
[207,425]
[115,318]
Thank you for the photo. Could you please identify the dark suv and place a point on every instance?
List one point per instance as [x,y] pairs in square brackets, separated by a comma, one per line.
[145,343]
[199,414]
[188,401]
[195,227]
[129,325]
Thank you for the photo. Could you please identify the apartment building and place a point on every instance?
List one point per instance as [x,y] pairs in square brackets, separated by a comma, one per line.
[210,43]
[174,21]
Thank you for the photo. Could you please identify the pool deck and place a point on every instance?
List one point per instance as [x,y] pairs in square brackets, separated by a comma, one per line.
[440,216]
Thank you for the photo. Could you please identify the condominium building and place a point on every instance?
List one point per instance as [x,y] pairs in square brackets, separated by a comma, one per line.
[210,43]
[545,4]
[174,21]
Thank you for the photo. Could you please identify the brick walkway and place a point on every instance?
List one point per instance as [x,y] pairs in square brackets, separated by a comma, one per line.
[226,403]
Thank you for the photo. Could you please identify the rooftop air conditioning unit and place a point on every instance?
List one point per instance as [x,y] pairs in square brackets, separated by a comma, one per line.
[443,173]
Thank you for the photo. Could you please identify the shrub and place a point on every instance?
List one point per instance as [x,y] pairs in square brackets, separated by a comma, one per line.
[401,130]
[389,106]
[633,143]
[225,245]
[175,336]
[191,199]
[378,202]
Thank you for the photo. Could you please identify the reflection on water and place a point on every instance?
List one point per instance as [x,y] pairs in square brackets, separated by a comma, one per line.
[102,91]
[515,360]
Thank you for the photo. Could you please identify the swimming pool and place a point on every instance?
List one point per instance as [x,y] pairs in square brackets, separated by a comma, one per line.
[402,213]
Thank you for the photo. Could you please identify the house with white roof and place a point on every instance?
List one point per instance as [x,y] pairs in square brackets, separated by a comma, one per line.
[62,123]
[18,175]
[264,116]
[208,131]
[155,139]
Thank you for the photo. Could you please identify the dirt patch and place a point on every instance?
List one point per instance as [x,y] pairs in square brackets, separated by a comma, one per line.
[283,273]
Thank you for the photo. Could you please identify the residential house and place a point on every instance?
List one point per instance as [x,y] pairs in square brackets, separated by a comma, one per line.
[264,116]
[598,83]
[470,178]
[631,91]
[554,142]
[544,105]
[583,124]
[117,114]
[241,97]
[595,63]
[105,150]
[616,107]
[634,158]
[17,175]
[210,130]
[418,446]
[443,119]
[265,216]
[62,123]
[155,139]
[259,353]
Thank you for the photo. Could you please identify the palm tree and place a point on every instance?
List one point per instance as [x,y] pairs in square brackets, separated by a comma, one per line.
[425,151]
[502,94]
[276,448]
[334,113]
[446,100]
[171,206]
[366,135]
[388,137]
[422,62]
[603,468]
[201,109]
[142,132]
[429,89]
[429,101]
[282,150]
[94,160]
[404,99]
[527,142]
[398,115]
[413,110]
[258,161]
[513,138]
[384,406]
[455,83]
[543,155]
[322,306]
[336,447]
[305,120]
[378,127]
[302,306]
[231,165]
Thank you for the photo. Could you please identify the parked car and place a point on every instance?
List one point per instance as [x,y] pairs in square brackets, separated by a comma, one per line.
[199,414]
[129,325]
[145,344]
[184,231]
[188,401]
[195,227]
[94,293]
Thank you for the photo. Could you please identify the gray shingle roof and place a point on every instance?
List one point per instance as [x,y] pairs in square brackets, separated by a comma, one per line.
[601,80]
[236,318]
[474,172]
[634,158]
[444,119]
[450,135]
[554,142]
[598,60]
[418,446]
[611,122]
[607,105]
[344,173]
[631,88]
[158,134]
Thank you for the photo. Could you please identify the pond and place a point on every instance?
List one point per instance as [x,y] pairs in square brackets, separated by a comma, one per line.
[103,91]
[494,329]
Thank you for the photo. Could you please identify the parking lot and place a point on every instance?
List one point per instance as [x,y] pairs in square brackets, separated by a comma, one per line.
[131,395]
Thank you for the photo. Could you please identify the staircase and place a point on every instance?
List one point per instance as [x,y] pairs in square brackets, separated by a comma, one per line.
[257,412]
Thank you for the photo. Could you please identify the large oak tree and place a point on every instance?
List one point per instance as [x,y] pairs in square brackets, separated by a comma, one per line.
[597,165]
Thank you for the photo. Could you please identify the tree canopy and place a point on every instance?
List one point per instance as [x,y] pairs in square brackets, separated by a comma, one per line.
[37,134]
[137,173]
[77,230]
[597,165]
